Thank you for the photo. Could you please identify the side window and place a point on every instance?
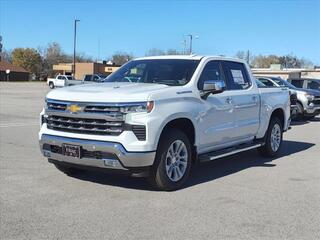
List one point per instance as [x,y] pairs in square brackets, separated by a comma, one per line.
[61,77]
[297,83]
[95,78]
[313,85]
[237,75]
[87,78]
[211,71]
[266,82]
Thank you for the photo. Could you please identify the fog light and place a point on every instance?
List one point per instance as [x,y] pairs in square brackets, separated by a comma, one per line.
[112,163]
[46,153]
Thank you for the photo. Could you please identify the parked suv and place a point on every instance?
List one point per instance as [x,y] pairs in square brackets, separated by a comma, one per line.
[175,111]
[306,83]
[308,101]
[265,82]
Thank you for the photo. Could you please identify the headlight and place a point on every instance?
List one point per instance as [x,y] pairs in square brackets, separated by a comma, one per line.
[139,107]
[309,97]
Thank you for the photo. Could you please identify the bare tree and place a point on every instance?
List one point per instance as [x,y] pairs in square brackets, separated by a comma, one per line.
[120,58]
[159,52]
[6,55]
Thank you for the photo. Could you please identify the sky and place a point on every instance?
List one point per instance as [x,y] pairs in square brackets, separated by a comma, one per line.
[223,27]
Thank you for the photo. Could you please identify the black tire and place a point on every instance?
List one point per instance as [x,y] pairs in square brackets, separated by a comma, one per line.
[158,176]
[299,115]
[51,85]
[68,170]
[267,150]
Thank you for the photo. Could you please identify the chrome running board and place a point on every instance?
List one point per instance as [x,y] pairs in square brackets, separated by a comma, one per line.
[227,152]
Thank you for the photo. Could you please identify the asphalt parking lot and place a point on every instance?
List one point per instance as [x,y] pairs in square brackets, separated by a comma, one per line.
[238,197]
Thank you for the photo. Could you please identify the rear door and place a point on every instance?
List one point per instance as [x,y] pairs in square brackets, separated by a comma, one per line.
[245,98]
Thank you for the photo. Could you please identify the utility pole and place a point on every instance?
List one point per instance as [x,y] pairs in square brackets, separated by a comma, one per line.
[0,47]
[74,46]
[191,38]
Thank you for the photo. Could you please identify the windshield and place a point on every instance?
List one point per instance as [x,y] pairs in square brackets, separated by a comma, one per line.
[173,72]
[283,83]
[260,84]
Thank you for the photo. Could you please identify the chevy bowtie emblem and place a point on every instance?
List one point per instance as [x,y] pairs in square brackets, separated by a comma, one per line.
[74,108]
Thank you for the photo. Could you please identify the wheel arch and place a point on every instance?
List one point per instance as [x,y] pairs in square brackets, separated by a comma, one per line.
[183,124]
[279,113]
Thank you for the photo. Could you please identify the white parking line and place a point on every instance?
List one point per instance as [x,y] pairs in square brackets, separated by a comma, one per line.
[6,125]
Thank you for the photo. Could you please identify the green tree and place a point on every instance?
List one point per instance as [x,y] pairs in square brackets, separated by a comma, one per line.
[28,58]
[291,61]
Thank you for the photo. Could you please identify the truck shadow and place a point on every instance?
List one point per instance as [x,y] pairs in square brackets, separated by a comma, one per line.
[303,122]
[204,172]
[242,161]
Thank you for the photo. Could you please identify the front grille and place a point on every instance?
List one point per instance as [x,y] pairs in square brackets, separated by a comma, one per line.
[316,101]
[56,106]
[90,118]
[85,125]
[101,109]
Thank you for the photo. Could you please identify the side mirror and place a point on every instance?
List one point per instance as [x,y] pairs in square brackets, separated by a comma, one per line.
[212,87]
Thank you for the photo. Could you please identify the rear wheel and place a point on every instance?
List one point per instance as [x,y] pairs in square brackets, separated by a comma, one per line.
[173,161]
[51,85]
[273,139]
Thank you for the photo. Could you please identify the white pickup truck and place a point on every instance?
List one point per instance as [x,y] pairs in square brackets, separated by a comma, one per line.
[174,112]
[67,80]
[62,81]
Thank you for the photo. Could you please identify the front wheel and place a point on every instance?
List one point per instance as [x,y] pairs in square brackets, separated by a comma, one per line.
[273,138]
[173,161]
[51,85]
[300,111]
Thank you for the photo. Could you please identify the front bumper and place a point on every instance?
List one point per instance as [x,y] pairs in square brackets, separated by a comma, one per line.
[313,110]
[99,154]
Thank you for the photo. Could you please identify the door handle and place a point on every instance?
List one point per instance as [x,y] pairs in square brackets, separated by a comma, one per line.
[255,99]
[229,100]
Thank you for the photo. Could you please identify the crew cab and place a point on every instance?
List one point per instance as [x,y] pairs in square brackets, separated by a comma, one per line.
[62,81]
[175,112]
[307,100]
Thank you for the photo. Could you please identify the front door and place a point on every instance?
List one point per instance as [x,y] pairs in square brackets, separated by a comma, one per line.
[217,118]
[60,81]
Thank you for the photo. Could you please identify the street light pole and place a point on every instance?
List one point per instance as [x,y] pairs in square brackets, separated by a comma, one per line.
[74,46]
[191,38]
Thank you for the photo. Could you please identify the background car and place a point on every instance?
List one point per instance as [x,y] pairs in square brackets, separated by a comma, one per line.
[307,83]
[307,100]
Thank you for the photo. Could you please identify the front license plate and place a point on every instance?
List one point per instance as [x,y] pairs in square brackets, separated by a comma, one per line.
[71,150]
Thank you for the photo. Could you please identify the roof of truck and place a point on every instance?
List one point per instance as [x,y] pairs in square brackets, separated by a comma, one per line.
[189,57]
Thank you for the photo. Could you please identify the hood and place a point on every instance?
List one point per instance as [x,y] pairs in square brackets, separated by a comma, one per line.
[309,91]
[106,92]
